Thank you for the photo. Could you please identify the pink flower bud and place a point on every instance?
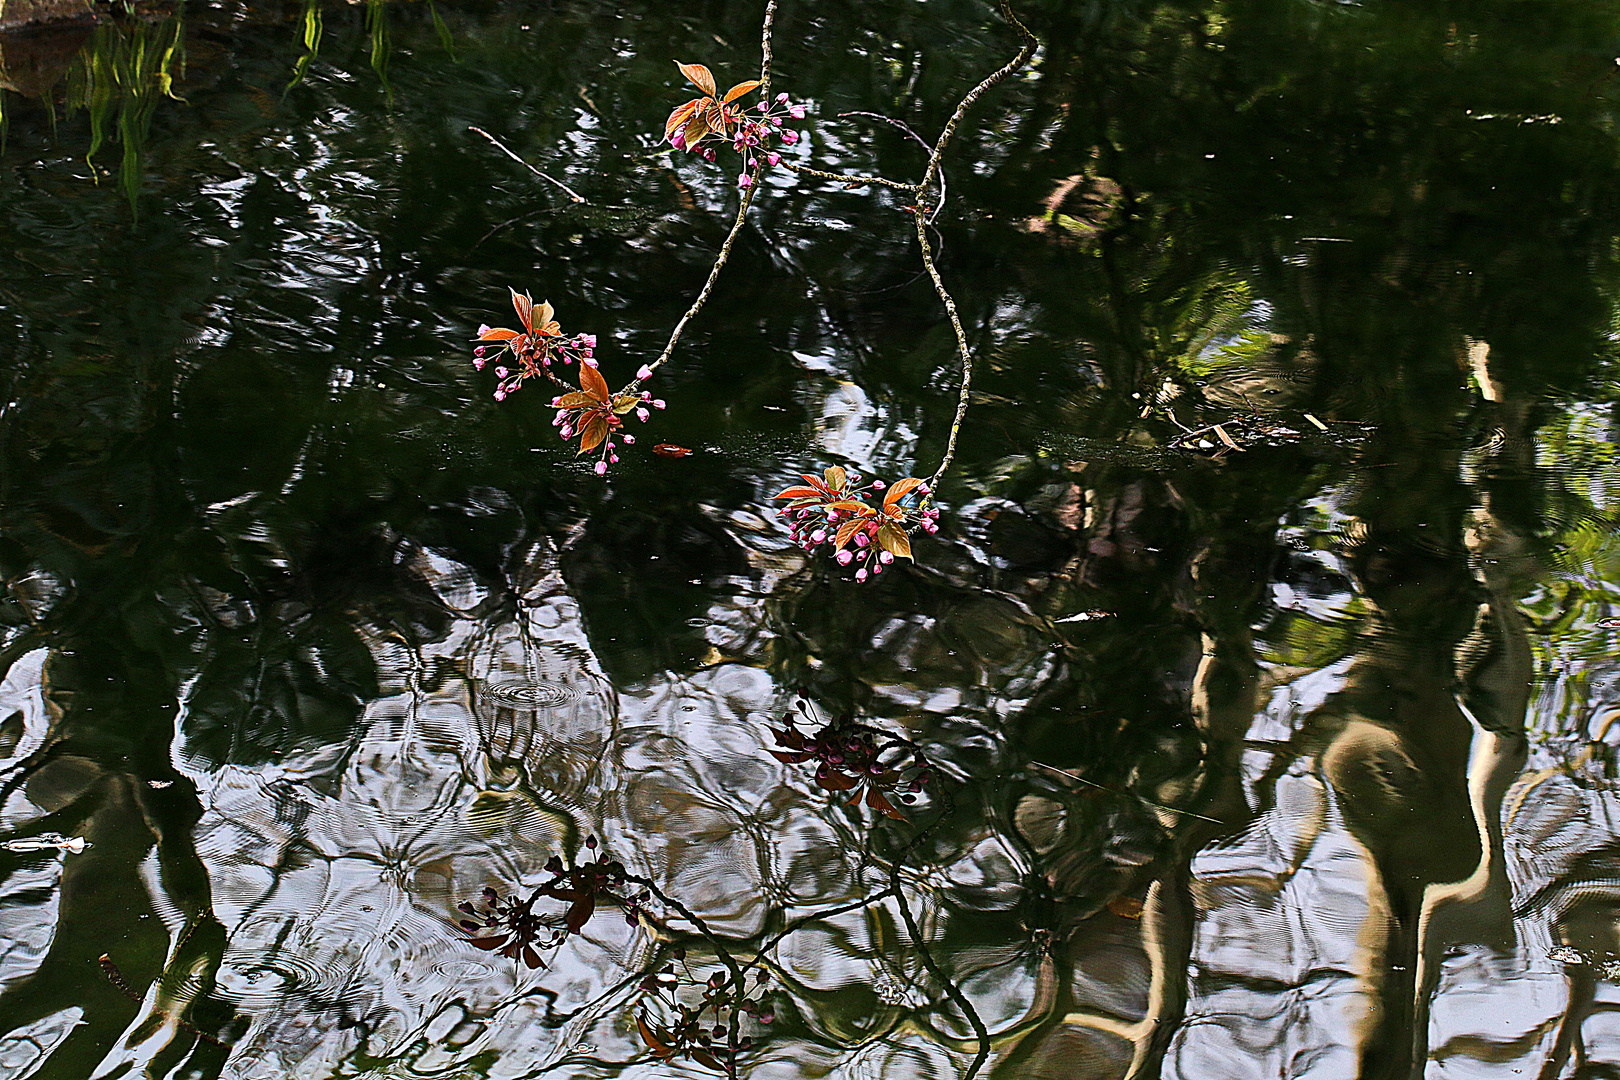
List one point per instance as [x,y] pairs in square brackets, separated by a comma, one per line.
[615,459]
[678,140]
[745,180]
[860,575]
[774,158]
[819,536]
[878,485]
[567,431]
[861,540]
[644,372]
[479,362]
[885,557]
[629,440]
[642,414]
[789,136]
[781,98]
[601,468]
[658,403]
[846,557]
[500,395]
[501,373]
[478,351]
[483,328]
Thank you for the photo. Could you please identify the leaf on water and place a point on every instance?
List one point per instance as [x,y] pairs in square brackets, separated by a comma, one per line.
[1126,907]
[665,449]
[1319,425]
[698,76]
[1225,438]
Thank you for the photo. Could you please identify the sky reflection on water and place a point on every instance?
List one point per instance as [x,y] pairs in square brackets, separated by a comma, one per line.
[1283,748]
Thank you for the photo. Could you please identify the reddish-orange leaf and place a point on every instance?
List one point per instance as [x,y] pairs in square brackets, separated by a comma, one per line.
[892,538]
[579,913]
[592,383]
[649,1035]
[665,449]
[852,506]
[575,400]
[696,128]
[882,805]
[846,533]
[834,781]
[739,90]
[815,482]
[900,489]
[499,333]
[703,1057]
[524,308]
[1126,907]
[698,76]
[592,433]
[799,493]
[680,116]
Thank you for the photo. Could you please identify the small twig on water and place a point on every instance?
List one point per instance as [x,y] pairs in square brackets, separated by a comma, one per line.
[503,148]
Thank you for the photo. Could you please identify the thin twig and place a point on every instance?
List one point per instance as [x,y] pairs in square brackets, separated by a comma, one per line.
[952,991]
[916,138]
[1031,43]
[572,194]
[852,179]
[961,346]
[736,226]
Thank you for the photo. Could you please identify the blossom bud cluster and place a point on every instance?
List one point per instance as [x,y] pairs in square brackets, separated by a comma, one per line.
[845,510]
[750,132]
[530,355]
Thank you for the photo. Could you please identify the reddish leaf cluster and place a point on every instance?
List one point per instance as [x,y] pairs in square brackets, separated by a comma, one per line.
[834,510]
[716,119]
[595,414]
[855,758]
[512,928]
[532,349]
[704,1030]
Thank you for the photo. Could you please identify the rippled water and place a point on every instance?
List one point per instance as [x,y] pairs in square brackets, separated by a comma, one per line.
[1264,664]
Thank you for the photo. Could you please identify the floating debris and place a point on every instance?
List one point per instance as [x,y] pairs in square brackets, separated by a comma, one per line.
[47,842]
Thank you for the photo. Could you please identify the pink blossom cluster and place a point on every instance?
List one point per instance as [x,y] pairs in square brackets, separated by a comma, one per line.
[531,354]
[749,134]
[866,535]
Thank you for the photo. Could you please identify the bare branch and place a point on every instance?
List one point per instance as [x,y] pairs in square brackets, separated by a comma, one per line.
[572,194]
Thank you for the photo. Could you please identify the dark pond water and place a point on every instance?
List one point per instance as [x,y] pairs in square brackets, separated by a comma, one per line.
[1264,660]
